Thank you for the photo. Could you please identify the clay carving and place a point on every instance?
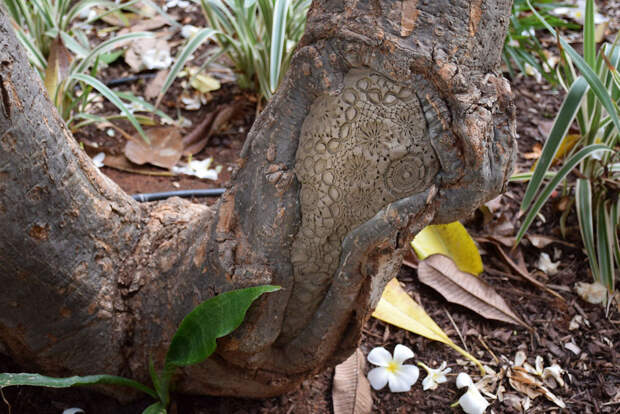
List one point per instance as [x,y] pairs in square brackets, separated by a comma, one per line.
[358,151]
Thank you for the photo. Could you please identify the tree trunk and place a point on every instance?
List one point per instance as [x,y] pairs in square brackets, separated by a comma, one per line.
[391,117]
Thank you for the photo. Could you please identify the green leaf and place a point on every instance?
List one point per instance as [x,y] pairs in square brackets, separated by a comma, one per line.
[560,127]
[155,408]
[112,97]
[195,339]
[191,46]
[595,83]
[106,46]
[277,43]
[7,380]
[605,246]
[589,43]
[585,212]
[561,175]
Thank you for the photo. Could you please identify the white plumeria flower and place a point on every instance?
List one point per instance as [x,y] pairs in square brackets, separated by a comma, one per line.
[391,370]
[156,59]
[189,31]
[198,169]
[472,402]
[435,376]
[98,159]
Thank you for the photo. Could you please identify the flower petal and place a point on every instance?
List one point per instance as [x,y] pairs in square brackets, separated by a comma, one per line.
[402,353]
[472,402]
[429,383]
[379,356]
[410,373]
[463,380]
[378,377]
[399,382]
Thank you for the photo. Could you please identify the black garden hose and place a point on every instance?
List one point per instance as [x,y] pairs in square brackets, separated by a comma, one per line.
[207,192]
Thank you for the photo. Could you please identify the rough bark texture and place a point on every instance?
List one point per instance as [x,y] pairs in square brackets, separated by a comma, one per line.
[391,117]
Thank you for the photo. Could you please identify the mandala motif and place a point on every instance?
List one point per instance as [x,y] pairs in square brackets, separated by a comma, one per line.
[372,136]
[410,174]
[355,168]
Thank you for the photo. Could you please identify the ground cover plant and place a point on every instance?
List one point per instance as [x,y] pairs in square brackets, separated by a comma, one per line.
[591,100]
[60,51]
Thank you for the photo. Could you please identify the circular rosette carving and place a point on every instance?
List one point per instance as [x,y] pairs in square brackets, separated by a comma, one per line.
[410,174]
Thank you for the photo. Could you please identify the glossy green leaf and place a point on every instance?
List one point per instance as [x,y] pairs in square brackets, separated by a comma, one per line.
[561,175]
[195,339]
[560,127]
[7,380]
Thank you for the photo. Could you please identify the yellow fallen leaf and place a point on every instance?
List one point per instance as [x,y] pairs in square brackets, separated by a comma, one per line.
[203,82]
[451,240]
[568,142]
[397,308]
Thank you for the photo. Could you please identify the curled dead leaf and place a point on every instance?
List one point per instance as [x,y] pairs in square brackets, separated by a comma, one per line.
[528,384]
[440,273]
[164,151]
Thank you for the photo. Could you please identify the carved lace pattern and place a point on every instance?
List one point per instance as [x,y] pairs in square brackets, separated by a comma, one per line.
[359,151]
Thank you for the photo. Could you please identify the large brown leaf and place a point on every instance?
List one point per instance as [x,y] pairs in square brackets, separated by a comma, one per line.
[440,273]
[164,151]
[351,390]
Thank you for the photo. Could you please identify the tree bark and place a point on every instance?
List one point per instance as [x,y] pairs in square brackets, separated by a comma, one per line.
[391,117]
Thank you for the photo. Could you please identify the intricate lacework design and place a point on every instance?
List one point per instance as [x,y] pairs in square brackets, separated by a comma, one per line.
[358,152]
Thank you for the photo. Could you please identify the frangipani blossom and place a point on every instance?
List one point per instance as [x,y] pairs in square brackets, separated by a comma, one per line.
[391,370]
[472,402]
[435,376]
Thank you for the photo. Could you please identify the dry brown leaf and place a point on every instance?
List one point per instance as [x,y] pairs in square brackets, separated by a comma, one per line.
[540,241]
[153,88]
[531,386]
[351,390]
[145,25]
[440,273]
[119,162]
[164,151]
[139,48]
